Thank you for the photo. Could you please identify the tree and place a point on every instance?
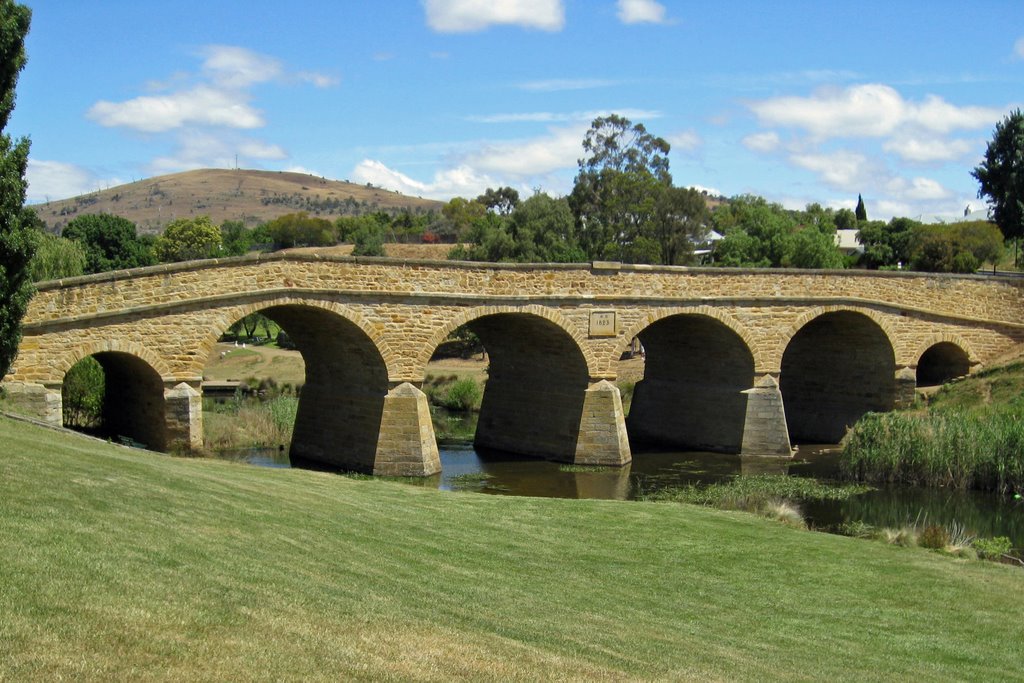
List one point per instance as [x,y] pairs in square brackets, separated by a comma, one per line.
[56,258]
[110,242]
[1001,175]
[300,230]
[17,237]
[681,220]
[861,212]
[502,201]
[539,230]
[235,239]
[188,239]
[617,191]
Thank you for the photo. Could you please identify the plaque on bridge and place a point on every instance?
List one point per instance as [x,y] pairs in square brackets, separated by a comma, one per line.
[602,324]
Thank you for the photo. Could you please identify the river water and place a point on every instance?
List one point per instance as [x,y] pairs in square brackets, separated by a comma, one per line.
[497,473]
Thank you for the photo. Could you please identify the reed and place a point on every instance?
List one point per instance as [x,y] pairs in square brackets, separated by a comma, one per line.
[955,448]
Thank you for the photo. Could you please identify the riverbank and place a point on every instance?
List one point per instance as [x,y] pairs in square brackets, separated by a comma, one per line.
[967,435]
[122,564]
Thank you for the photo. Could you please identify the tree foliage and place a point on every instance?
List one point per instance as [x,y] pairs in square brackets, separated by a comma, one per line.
[110,242]
[235,239]
[625,206]
[955,248]
[17,236]
[82,394]
[1001,175]
[300,230]
[759,234]
[56,258]
[539,230]
[502,201]
[188,239]
[861,212]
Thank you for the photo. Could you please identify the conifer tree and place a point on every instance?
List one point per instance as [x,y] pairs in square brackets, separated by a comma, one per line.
[18,237]
[861,212]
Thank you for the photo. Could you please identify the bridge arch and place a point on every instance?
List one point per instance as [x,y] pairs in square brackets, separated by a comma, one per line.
[837,366]
[941,358]
[537,379]
[71,356]
[229,315]
[469,315]
[658,314]
[341,403]
[133,405]
[698,365]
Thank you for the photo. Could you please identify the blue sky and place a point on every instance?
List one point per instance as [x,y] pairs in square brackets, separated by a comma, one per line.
[794,101]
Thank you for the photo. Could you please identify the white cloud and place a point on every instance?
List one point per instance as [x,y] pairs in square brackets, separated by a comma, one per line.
[220,99]
[917,189]
[841,169]
[762,142]
[201,105]
[463,16]
[525,164]
[561,148]
[563,117]
[712,191]
[924,150]
[870,110]
[52,180]
[318,80]
[303,169]
[641,12]
[236,67]
[1018,48]
[460,181]
[560,84]
[684,141]
[198,149]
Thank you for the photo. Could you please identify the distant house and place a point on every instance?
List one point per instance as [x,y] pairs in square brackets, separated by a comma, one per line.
[848,243]
[705,246]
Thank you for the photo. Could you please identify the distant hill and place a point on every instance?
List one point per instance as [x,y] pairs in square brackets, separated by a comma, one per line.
[225,194]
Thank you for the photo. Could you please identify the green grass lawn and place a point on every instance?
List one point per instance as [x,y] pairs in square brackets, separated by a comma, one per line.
[123,564]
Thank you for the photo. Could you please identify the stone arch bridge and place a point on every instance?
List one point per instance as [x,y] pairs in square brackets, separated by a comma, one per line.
[741,361]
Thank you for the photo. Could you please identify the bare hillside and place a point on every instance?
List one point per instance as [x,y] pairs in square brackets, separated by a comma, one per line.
[225,194]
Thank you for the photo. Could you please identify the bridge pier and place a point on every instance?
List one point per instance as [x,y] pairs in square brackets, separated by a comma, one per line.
[905,387]
[602,434]
[765,431]
[406,446]
[37,401]
[183,416]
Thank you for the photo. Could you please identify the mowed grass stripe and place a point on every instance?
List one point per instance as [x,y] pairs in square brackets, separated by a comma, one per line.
[119,563]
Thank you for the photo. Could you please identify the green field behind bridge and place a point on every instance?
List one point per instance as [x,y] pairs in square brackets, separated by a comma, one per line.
[123,564]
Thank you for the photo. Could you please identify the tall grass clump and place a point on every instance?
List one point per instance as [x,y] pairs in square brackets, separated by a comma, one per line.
[953,449]
[245,423]
[772,496]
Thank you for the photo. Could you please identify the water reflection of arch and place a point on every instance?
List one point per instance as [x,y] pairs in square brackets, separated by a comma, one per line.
[133,400]
[838,364]
[342,399]
[538,373]
[698,366]
[942,357]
